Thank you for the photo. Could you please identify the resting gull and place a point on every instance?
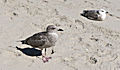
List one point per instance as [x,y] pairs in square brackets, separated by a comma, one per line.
[98,15]
[43,40]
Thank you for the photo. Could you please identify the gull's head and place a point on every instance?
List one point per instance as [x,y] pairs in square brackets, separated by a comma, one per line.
[102,14]
[102,11]
[52,28]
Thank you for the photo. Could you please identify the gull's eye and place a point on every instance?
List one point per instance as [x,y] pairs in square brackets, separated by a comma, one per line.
[102,11]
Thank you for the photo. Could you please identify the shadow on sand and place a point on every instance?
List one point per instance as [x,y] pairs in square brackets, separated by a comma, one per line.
[30,51]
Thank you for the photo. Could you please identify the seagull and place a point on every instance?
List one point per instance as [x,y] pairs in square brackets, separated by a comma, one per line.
[43,40]
[98,15]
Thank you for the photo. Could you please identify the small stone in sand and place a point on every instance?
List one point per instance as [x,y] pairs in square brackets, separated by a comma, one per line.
[15,14]
[93,60]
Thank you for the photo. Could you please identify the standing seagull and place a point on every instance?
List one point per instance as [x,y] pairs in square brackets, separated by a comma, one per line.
[43,40]
[99,15]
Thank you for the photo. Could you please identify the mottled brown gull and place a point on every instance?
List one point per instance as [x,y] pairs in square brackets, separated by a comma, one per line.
[43,40]
[99,15]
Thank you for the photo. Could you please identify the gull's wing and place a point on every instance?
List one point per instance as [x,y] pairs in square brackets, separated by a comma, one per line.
[37,39]
[91,14]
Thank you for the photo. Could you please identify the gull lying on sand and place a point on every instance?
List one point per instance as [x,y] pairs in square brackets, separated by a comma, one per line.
[98,15]
[43,40]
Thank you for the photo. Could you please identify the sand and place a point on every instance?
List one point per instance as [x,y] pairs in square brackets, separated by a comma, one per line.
[83,45]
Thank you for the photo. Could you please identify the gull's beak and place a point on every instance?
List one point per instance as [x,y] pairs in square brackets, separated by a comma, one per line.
[60,29]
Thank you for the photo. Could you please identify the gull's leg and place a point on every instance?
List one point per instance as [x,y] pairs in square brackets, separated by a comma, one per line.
[45,51]
[52,50]
[45,55]
[44,58]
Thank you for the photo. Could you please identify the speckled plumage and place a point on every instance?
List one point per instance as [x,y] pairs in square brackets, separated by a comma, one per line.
[42,39]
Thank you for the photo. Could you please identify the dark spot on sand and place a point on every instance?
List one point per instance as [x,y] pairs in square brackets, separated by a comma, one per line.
[80,39]
[95,39]
[93,60]
[15,14]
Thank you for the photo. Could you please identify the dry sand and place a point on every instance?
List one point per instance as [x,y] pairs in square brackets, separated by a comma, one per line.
[84,45]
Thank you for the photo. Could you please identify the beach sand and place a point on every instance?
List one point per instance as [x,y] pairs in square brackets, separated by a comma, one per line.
[83,45]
